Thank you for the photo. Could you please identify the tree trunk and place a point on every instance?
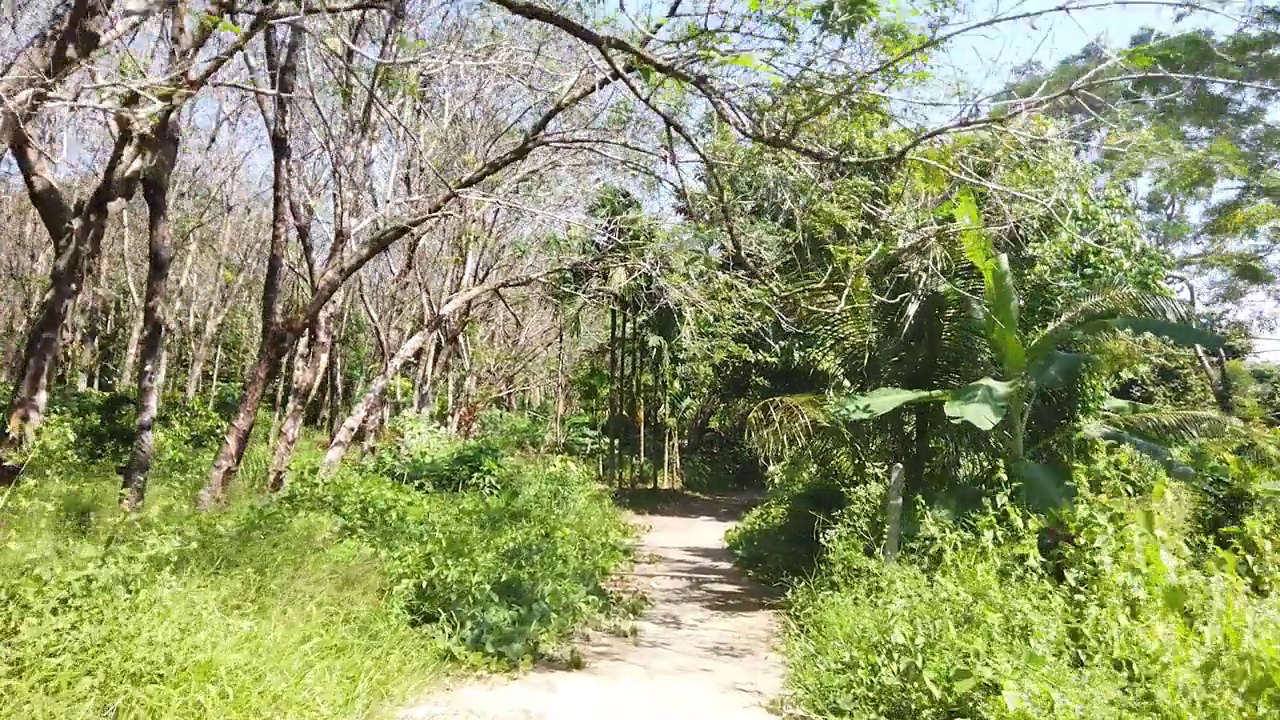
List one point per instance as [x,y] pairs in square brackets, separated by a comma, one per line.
[215,318]
[213,384]
[234,443]
[276,339]
[155,190]
[1224,392]
[306,379]
[347,431]
[79,246]
[612,411]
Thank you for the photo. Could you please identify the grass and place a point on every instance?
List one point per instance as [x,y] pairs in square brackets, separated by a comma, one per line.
[341,599]
[248,614]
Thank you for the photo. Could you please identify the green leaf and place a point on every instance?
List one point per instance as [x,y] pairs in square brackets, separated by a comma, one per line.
[1179,333]
[747,60]
[1175,596]
[882,400]
[982,404]
[1044,487]
[1002,299]
[1058,369]
[999,291]
[1012,699]
[963,680]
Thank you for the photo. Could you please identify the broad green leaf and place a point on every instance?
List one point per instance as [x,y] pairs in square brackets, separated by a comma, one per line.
[977,247]
[963,680]
[1177,332]
[982,404]
[1044,487]
[1058,369]
[1003,302]
[882,400]
[999,291]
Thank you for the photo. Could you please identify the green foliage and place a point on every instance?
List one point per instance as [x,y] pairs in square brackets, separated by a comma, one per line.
[98,427]
[780,540]
[513,430]
[250,613]
[1198,158]
[428,457]
[503,573]
[333,601]
[1108,613]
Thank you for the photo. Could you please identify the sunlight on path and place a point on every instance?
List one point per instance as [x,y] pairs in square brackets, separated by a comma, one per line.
[703,651]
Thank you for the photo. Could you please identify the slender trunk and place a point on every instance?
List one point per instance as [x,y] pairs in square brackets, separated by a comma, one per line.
[306,379]
[620,422]
[45,338]
[234,443]
[213,384]
[613,394]
[213,321]
[642,406]
[893,514]
[276,339]
[633,421]
[422,380]
[917,466]
[559,436]
[155,190]
[136,326]
[277,408]
[342,438]
[369,431]
[1225,391]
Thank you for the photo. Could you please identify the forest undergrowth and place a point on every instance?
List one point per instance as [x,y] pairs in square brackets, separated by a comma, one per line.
[337,599]
[1147,598]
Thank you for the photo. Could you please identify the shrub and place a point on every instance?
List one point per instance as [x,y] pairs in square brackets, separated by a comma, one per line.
[92,427]
[247,613]
[780,539]
[428,457]
[503,575]
[1123,620]
[512,430]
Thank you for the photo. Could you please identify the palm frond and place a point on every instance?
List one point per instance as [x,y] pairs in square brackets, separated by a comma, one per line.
[1112,303]
[1170,426]
[782,426]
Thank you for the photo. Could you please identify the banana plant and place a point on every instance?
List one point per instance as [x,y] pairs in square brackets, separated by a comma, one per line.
[1031,362]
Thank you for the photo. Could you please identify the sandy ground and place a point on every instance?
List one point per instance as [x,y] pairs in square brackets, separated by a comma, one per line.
[703,650]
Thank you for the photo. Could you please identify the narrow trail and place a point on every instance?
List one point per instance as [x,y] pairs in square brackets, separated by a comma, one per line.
[704,650]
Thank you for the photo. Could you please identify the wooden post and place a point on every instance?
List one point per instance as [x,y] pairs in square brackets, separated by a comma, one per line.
[893,514]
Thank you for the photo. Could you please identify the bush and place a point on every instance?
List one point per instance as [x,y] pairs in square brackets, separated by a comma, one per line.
[1124,619]
[781,539]
[92,427]
[512,430]
[332,601]
[429,458]
[247,613]
[505,574]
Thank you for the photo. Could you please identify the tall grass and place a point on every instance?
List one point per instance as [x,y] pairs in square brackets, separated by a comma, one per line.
[340,599]
[244,614]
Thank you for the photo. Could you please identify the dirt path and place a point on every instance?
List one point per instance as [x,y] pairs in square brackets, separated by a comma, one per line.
[703,651]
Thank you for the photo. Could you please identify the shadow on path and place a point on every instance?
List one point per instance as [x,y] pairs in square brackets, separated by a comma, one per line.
[725,507]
